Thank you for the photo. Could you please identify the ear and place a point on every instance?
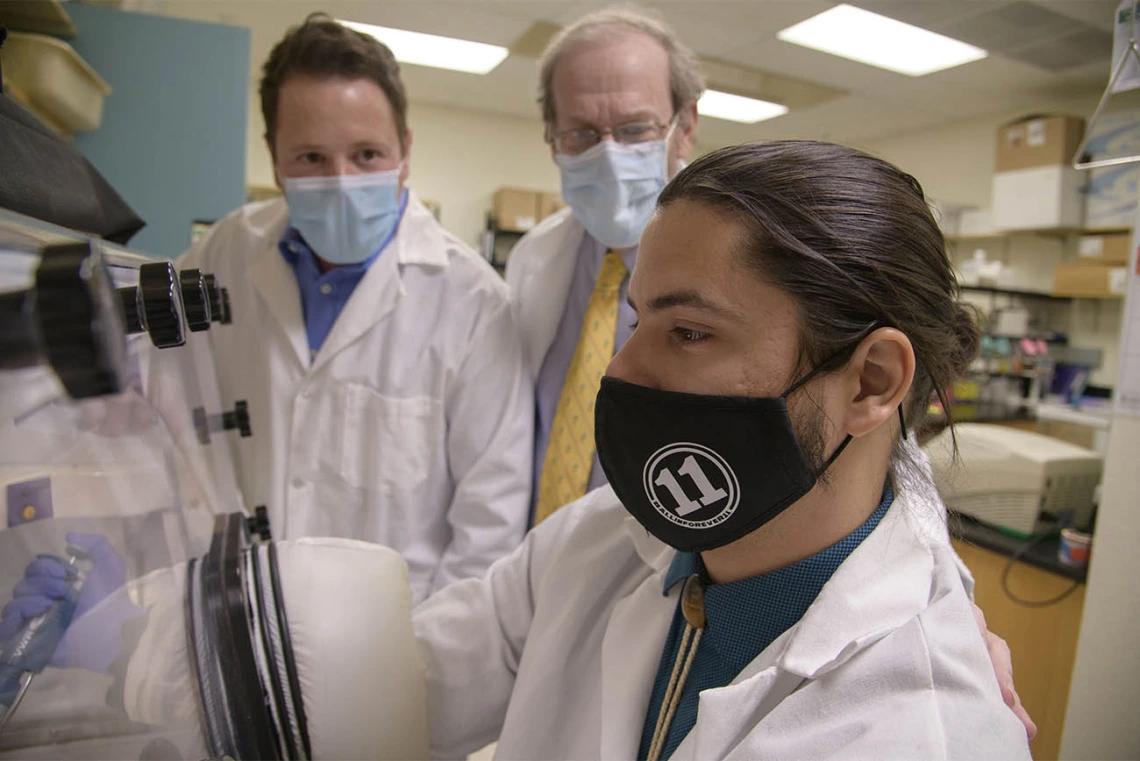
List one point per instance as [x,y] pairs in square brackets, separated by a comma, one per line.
[685,136]
[881,372]
[407,151]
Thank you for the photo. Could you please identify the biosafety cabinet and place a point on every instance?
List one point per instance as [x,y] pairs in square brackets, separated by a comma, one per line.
[148,613]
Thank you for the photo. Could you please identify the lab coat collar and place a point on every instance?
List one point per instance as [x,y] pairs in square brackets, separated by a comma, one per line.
[273,277]
[883,584]
[419,242]
[886,582]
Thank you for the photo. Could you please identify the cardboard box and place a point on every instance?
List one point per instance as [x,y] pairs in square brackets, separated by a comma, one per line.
[1041,198]
[516,210]
[1038,141]
[548,204]
[1113,191]
[1094,281]
[1110,250]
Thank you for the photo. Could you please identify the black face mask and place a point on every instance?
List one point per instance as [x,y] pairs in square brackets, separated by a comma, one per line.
[699,472]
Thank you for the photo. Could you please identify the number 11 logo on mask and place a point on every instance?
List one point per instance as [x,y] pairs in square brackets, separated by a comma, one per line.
[691,485]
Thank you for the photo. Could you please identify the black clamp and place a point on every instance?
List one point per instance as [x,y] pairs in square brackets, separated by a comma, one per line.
[258,523]
[155,306]
[70,319]
[219,300]
[237,419]
[195,300]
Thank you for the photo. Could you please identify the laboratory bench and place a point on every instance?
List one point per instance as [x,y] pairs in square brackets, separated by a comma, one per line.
[1042,637]
[1042,553]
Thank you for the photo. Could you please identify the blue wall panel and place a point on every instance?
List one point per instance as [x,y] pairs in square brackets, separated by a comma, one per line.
[172,141]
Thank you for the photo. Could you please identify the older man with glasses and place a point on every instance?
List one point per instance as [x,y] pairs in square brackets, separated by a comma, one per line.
[619,97]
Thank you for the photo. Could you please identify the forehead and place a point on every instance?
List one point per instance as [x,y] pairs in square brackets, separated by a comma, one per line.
[691,247]
[624,64]
[330,105]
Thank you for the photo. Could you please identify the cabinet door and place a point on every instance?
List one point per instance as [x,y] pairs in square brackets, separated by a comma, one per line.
[1043,641]
[173,136]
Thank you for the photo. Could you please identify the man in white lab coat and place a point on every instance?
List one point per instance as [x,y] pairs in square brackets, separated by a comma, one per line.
[377,352]
[619,97]
[768,575]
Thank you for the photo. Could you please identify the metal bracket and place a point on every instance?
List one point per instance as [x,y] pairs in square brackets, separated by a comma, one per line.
[1132,52]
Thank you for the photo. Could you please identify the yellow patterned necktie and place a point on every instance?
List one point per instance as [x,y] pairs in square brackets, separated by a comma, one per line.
[570,451]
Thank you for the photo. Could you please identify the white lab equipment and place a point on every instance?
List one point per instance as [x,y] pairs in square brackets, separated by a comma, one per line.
[1007,477]
[149,617]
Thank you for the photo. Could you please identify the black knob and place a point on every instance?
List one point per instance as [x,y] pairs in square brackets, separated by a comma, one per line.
[237,419]
[195,300]
[217,307]
[129,298]
[161,299]
[227,316]
[80,320]
[258,523]
[19,334]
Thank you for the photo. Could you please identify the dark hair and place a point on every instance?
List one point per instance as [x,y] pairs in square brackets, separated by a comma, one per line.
[321,47]
[852,240]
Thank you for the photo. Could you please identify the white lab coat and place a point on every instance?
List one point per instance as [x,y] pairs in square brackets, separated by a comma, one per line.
[554,653]
[411,427]
[539,272]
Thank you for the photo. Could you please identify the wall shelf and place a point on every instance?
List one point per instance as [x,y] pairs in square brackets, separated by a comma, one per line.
[1049,233]
[1012,292]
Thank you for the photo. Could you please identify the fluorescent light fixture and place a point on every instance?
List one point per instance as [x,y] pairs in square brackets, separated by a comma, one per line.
[869,38]
[431,50]
[735,108]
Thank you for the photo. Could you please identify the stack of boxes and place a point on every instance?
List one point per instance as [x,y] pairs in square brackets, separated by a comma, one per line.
[1101,268]
[1035,186]
[1036,189]
[518,210]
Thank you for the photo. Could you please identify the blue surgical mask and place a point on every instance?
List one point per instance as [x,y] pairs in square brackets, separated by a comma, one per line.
[345,219]
[613,188]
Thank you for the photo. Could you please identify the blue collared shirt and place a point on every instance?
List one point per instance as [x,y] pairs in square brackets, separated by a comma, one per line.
[552,375]
[743,618]
[324,295]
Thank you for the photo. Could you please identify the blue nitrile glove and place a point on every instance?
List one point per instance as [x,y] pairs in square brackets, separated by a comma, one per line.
[79,632]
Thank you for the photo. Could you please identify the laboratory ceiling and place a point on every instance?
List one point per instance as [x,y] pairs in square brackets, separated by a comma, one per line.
[1042,51]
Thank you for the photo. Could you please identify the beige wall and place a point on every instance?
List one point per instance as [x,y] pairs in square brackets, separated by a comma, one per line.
[955,163]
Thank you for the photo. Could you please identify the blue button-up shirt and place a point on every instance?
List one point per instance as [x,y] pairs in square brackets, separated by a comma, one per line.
[324,295]
[743,618]
[552,375]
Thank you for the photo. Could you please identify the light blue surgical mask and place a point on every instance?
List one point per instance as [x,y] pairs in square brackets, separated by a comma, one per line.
[612,188]
[345,219]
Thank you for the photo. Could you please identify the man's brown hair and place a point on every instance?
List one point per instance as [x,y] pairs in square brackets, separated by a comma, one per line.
[323,48]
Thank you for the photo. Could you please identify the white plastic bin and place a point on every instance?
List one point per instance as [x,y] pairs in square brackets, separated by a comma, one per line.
[55,80]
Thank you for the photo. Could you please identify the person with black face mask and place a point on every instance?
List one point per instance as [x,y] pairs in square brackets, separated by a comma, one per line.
[769,573]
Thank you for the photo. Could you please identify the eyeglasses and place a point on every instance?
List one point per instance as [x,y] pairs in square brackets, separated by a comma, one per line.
[575,141]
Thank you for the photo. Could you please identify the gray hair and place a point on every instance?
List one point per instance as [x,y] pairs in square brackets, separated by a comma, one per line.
[686,83]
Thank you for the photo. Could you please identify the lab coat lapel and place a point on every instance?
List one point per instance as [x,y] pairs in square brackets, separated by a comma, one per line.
[726,715]
[546,286]
[631,650]
[377,294]
[277,285]
[883,584]
[419,242]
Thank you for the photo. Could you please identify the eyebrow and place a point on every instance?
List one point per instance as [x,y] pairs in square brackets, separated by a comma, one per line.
[691,299]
